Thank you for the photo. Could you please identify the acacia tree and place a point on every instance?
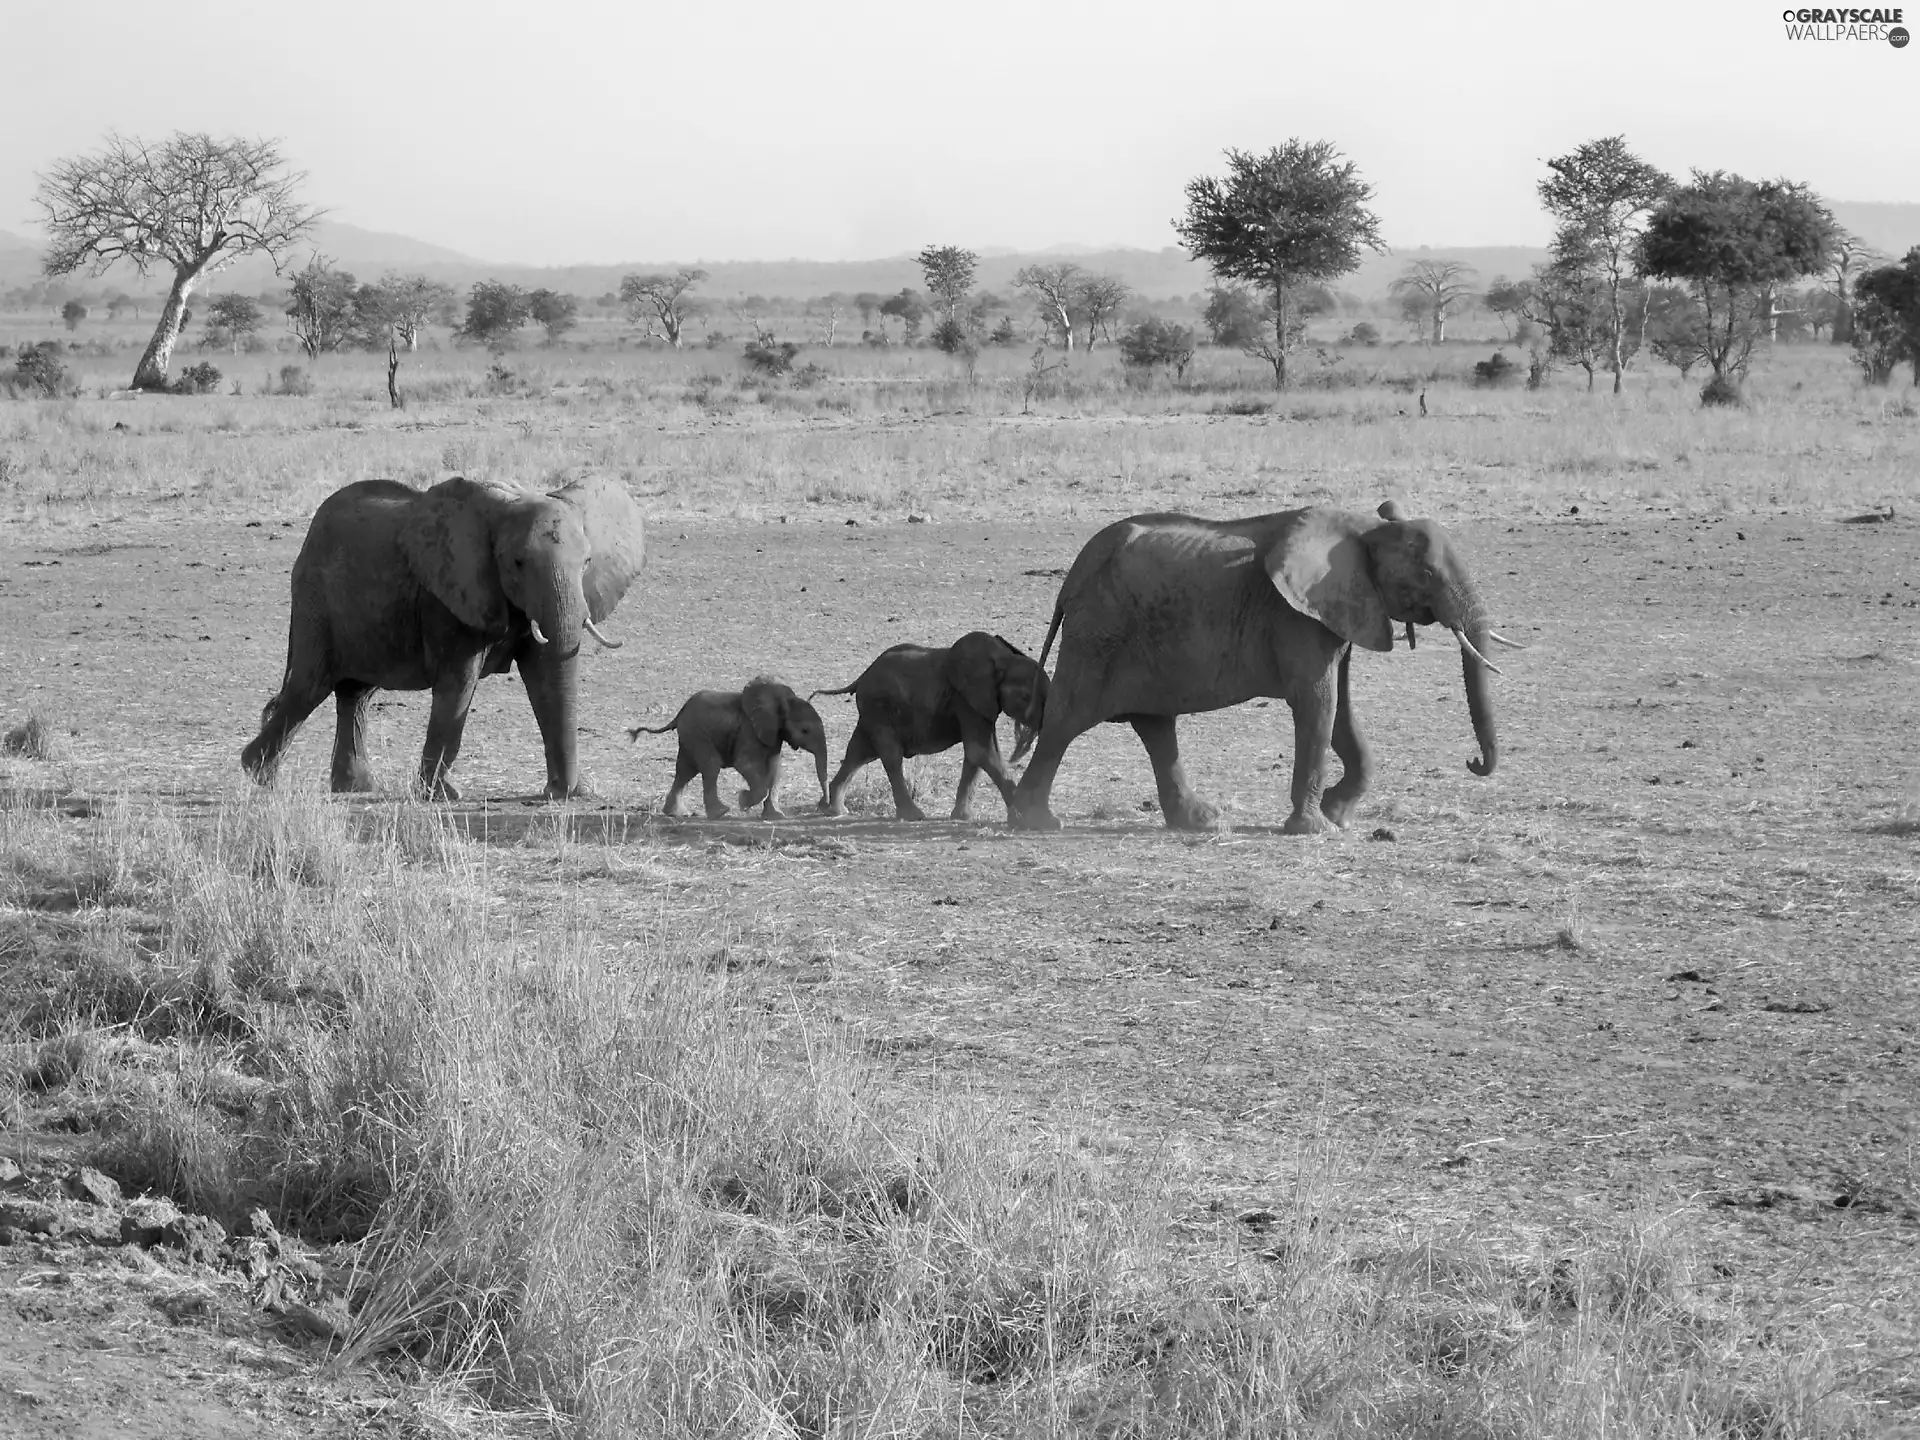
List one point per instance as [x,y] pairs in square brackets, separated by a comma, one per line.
[1294,216]
[660,303]
[235,318]
[909,309]
[553,312]
[495,310]
[191,203]
[949,274]
[1434,289]
[1054,289]
[321,310]
[1732,241]
[1886,313]
[1099,298]
[1601,196]
[404,304]
[73,312]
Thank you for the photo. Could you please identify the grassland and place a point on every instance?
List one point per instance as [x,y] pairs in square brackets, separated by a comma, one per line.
[597,1124]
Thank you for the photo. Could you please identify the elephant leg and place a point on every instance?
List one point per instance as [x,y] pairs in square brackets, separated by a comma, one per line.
[764,789]
[452,698]
[710,787]
[351,701]
[1029,808]
[683,772]
[893,758]
[1181,808]
[283,716]
[860,753]
[1313,730]
[982,754]
[1356,756]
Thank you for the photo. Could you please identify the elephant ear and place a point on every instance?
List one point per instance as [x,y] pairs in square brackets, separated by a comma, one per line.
[765,702]
[616,540]
[1321,567]
[448,542]
[974,667]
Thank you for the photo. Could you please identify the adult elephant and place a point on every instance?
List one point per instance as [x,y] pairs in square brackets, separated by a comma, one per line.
[1165,615]
[403,589]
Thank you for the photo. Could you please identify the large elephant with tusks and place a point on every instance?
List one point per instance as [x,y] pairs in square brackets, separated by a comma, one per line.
[404,589]
[1165,615]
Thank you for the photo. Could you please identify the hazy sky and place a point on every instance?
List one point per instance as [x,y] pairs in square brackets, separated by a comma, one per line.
[554,131]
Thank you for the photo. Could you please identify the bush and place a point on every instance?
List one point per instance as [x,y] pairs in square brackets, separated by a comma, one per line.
[201,379]
[770,356]
[1154,341]
[294,380]
[1720,391]
[948,336]
[1497,370]
[39,370]
[1365,333]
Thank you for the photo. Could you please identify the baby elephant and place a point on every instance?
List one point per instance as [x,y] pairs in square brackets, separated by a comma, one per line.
[741,730]
[917,701]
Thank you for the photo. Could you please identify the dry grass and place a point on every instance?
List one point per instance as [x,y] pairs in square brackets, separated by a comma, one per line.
[582,1170]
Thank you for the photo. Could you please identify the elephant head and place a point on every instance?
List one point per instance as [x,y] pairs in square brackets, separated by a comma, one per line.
[994,677]
[778,716]
[1360,578]
[536,571]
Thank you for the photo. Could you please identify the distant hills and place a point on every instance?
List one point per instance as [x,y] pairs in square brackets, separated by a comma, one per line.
[1153,274]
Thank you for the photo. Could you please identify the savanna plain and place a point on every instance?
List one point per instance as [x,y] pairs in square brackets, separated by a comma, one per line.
[1578,1101]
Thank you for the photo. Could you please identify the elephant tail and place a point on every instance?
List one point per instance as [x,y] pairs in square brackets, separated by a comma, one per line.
[638,730]
[1053,627]
[846,689]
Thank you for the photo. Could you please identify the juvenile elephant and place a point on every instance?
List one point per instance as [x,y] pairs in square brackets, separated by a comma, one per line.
[403,589]
[741,730]
[918,701]
[1165,615]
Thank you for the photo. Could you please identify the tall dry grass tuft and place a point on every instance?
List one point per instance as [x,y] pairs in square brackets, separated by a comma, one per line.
[585,1177]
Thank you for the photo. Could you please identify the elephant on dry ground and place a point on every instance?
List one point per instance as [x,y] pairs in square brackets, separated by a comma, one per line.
[404,589]
[741,730]
[1166,615]
[917,701]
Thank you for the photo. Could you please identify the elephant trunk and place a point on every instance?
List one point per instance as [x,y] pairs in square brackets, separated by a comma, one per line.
[819,748]
[1464,613]
[550,670]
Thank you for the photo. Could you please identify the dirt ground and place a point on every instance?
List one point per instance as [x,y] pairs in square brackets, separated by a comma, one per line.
[1665,957]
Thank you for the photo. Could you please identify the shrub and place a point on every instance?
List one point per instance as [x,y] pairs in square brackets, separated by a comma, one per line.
[1365,333]
[201,379]
[811,376]
[1003,333]
[34,739]
[770,356]
[1154,341]
[39,370]
[948,336]
[294,380]
[1720,391]
[1496,370]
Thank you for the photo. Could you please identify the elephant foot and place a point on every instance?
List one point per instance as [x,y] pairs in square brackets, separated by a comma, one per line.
[1038,817]
[909,812]
[961,812]
[355,782]
[577,791]
[831,807]
[770,812]
[1192,813]
[1305,822]
[1339,808]
[718,812]
[440,789]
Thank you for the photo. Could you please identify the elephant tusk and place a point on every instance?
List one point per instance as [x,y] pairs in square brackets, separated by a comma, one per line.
[1467,645]
[537,634]
[1510,644]
[594,630]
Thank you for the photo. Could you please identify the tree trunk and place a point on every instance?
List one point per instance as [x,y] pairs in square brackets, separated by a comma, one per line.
[1439,324]
[1619,323]
[670,323]
[151,372]
[1279,335]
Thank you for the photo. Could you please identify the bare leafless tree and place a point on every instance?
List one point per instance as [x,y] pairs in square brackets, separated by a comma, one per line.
[660,303]
[1436,288]
[1101,297]
[1850,257]
[1055,291]
[190,202]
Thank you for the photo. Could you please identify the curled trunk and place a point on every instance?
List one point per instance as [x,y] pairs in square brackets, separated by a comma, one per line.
[1464,612]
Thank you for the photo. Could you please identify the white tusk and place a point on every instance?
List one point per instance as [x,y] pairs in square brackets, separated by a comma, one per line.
[594,630]
[542,639]
[1510,644]
[1467,645]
